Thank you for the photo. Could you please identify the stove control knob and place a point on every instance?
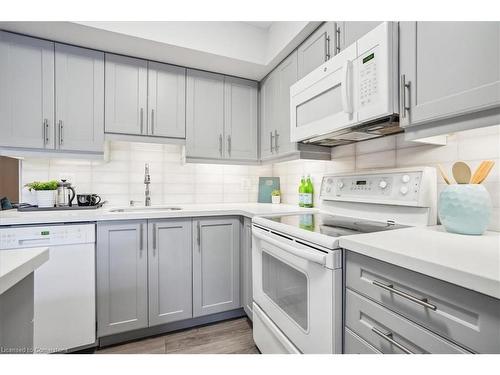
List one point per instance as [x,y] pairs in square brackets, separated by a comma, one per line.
[405,178]
[340,184]
[403,190]
[382,184]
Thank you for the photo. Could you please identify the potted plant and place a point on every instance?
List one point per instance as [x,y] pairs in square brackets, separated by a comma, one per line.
[276,196]
[45,192]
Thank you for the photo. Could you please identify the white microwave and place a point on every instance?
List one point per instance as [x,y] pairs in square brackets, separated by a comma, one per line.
[351,97]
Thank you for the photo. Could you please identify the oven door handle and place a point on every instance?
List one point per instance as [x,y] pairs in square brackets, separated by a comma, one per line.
[312,255]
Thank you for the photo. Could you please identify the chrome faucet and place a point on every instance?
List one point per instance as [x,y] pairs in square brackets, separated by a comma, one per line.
[147,181]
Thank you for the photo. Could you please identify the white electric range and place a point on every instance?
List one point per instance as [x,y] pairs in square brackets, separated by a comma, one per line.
[297,263]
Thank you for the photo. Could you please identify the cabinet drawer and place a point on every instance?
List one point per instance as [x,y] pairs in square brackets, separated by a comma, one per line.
[353,344]
[389,332]
[462,315]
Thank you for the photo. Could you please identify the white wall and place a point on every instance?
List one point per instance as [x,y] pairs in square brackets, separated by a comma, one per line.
[471,146]
[172,182]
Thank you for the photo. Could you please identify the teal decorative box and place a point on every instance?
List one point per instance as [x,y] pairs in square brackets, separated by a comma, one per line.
[465,208]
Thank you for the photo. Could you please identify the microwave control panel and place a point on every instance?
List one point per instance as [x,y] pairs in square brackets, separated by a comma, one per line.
[368,85]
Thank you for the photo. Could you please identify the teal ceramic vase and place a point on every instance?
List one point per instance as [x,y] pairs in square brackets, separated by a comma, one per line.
[465,208]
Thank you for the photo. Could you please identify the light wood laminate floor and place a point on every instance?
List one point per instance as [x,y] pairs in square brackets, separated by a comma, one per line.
[229,337]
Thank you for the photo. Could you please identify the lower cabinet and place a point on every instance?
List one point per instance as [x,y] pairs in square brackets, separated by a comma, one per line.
[122,276]
[170,269]
[216,265]
[246,267]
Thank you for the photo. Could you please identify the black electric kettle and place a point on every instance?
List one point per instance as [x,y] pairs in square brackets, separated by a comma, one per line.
[65,194]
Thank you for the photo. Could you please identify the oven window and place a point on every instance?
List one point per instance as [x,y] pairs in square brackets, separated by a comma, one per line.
[326,104]
[287,287]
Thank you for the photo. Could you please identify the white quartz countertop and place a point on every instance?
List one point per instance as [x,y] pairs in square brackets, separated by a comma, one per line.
[472,262]
[16,264]
[13,217]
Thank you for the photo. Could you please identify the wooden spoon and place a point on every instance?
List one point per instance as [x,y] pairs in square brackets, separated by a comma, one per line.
[461,172]
[443,174]
[482,171]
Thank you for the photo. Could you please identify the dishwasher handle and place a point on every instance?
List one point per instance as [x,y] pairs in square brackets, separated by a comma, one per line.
[312,255]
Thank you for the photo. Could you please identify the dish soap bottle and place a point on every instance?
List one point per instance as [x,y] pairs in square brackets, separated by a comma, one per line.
[308,194]
[302,187]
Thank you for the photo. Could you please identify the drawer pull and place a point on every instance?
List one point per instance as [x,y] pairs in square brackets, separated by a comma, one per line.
[388,337]
[390,288]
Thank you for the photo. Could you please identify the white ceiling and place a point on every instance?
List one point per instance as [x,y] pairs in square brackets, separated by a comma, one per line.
[248,49]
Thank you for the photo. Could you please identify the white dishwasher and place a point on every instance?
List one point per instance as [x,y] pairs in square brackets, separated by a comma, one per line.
[64,311]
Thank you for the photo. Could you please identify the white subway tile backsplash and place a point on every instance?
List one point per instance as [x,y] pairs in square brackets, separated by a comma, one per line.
[381,159]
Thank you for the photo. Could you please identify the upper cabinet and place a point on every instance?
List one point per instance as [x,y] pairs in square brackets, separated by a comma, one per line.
[166,100]
[26,92]
[316,49]
[79,98]
[350,31]
[51,96]
[126,95]
[221,117]
[205,115]
[240,120]
[448,70]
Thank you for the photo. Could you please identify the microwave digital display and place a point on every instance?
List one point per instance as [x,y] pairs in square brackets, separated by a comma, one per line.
[368,58]
[361,182]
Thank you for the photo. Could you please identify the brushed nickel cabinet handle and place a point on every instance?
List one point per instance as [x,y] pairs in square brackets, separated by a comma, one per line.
[152,121]
[142,120]
[403,87]
[271,141]
[388,337]
[61,139]
[327,47]
[198,235]
[220,144]
[276,146]
[45,131]
[141,239]
[337,34]
[390,288]
[229,145]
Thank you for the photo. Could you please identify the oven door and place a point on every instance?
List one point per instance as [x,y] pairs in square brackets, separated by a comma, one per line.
[296,290]
[323,101]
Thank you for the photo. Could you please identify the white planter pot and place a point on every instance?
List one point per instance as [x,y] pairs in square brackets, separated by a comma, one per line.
[45,198]
[276,199]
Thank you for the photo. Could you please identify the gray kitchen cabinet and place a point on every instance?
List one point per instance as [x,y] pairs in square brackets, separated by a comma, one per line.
[316,49]
[287,76]
[216,265]
[350,31]
[268,99]
[170,270]
[122,276]
[246,267]
[448,70]
[126,95]
[166,100]
[240,121]
[205,115]
[26,92]
[79,98]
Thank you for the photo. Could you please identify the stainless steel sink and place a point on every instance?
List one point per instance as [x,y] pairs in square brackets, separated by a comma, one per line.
[145,209]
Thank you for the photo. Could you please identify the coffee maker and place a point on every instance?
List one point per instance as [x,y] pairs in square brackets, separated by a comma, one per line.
[65,194]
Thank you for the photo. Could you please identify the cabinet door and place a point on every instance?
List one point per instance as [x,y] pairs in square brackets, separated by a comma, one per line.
[166,100]
[350,31]
[170,271]
[316,49]
[451,68]
[122,276]
[205,115]
[246,267]
[26,92]
[216,277]
[126,95]
[240,124]
[287,76]
[268,99]
[79,98]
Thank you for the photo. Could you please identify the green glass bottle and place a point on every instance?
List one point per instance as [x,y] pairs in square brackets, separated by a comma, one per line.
[302,187]
[309,192]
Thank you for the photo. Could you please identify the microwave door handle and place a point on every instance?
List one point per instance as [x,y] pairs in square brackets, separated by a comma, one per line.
[345,89]
[311,255]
